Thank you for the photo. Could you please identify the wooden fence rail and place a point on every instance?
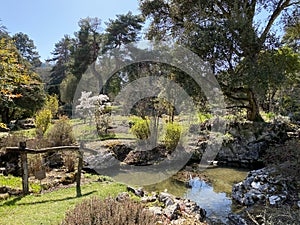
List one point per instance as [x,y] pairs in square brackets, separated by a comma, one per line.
[24,162]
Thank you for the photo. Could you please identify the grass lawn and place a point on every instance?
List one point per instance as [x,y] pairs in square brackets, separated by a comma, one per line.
[50,208]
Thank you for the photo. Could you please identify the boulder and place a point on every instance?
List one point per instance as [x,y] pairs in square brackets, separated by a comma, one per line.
[248,142]
[175,209]
[261,185]
[147,157]
[101,162]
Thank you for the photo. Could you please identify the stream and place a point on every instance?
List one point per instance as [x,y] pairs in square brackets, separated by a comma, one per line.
[215,198]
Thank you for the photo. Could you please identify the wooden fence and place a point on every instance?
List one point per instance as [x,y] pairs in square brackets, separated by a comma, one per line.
[24,162]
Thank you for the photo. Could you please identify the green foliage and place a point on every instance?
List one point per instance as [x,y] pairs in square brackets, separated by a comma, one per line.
[292,34]
[109,211]
[204,117]
[21,92]
[226,36]
[140,128]
[61,58]
[42,121]
[61,133]
[52,104]
[172,135]
[27,48]
[268,116]
[16,183]
[227,137]
[124,30]
[67,88]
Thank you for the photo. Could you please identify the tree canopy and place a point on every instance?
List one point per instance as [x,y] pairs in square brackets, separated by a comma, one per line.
[21,91]
[224,33]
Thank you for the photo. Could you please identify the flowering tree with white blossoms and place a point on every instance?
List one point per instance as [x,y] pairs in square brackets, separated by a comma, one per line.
[97,107]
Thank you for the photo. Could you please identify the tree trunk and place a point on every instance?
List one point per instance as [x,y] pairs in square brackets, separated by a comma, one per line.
[253,109]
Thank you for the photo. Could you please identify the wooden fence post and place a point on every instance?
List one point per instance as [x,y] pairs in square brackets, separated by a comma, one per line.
[78,178]
[24,163]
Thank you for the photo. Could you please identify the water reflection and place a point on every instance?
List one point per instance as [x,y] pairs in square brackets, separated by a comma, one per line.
[217,205]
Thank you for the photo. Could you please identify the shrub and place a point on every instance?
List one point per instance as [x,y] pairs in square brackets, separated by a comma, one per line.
[61,133]
[268,116]
[172,135]
[42,121]
[109,211]
[52,104]
[140,128]
[204,116]
[69,160]
[34,163]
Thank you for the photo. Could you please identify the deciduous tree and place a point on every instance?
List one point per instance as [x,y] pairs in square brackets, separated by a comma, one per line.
[21,91]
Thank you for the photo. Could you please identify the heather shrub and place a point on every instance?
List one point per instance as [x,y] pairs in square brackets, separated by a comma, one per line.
[95,211]
[61,133]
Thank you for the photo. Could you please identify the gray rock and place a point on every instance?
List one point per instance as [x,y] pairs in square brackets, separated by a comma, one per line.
[260,185]
[171,211]
[163,196]
[274,199]
[101,161]
[138,192]
[168,202]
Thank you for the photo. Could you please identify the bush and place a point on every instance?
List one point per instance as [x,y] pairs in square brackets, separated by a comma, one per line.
[172,135]
[52,104]
[34,163]
[61,133]
[109,211]
[268,116]
[204,116]
[42,121]
[69,160]
[140,128]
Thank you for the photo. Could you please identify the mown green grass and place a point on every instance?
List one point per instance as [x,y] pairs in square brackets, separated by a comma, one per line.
[50,208]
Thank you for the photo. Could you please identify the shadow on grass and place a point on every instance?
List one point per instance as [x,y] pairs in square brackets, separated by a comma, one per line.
[14,201]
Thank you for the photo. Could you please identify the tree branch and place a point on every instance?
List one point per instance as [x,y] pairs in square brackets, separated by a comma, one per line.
[280,7]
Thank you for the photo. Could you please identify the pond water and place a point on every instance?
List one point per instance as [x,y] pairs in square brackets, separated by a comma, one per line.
[215,198]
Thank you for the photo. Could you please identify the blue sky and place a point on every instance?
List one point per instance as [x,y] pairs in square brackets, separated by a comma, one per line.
[46,21]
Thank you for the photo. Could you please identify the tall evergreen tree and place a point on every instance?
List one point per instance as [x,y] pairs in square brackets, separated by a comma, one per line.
[27,49]
[62,60]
